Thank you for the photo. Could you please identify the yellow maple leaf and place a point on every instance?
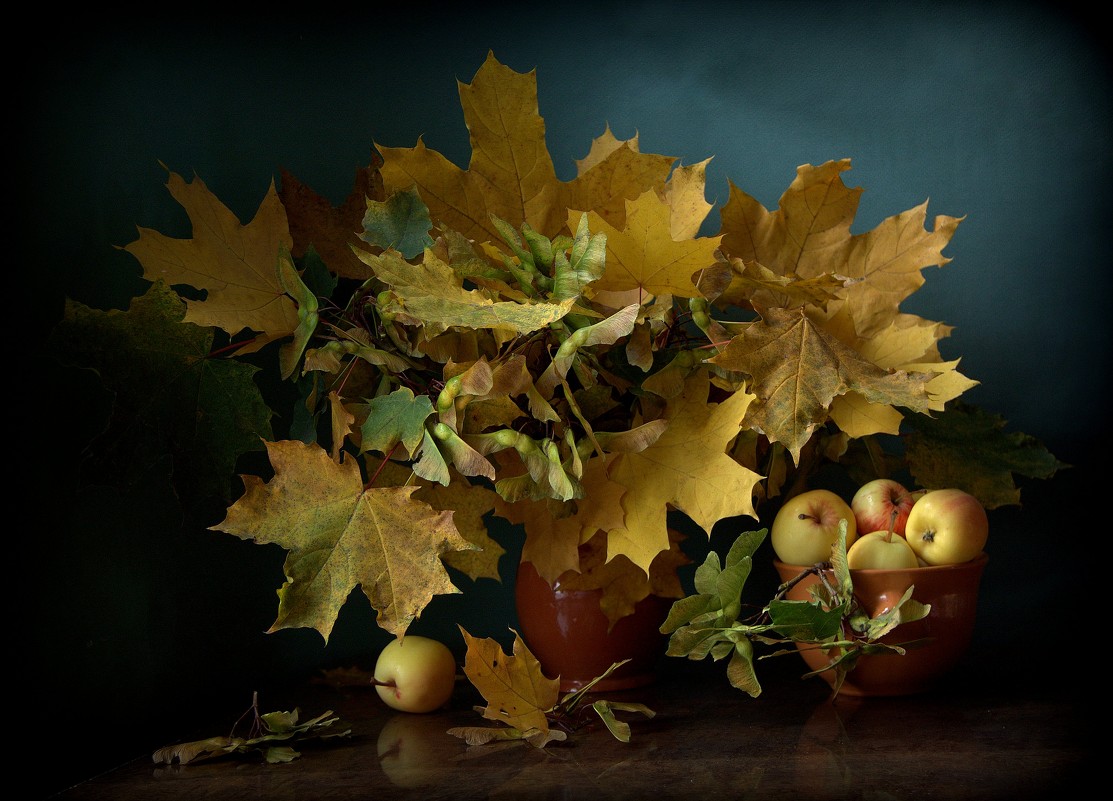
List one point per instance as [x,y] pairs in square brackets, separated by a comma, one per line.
[644,255]
[687,198]
[909,344]
[511,174]
[850,355]
[517,692]
[623,584]
[551,541]
[798,369]
[339,536]
[809,236]
[675,471]
[236,265]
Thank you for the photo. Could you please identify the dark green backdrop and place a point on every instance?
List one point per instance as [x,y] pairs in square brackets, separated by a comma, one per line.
[144,627]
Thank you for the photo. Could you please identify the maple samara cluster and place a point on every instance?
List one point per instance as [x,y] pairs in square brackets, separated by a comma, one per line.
[888,527]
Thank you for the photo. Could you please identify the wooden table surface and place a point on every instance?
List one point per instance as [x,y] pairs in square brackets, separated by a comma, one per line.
[1000,728]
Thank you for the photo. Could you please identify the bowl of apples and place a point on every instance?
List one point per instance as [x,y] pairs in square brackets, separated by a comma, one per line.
[932,541]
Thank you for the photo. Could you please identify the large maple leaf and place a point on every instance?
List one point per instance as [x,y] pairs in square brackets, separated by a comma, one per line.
[236,265]
[798,369]
[339,536]
[687,468]
[809,236]
[644,255]
[849,354]
[169,394]
[511,173]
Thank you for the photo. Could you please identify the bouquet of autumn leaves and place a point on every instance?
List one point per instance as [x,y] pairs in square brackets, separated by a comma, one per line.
[570,355]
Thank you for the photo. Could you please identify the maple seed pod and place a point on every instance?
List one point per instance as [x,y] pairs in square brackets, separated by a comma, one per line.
[506,437]
[448,395]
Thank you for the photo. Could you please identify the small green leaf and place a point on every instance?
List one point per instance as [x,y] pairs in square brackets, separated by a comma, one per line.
[396,418]
[806,621]
[400,222]
[277,754]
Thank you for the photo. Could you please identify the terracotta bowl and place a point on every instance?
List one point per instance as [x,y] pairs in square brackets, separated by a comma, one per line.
[952,591]
[571,637]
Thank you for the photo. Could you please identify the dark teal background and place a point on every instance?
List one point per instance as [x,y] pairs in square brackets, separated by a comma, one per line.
[144,627]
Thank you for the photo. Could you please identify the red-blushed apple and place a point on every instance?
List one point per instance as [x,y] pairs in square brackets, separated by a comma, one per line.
[947,527]
[882,505]
[807,526]
[881,550]
[415,674]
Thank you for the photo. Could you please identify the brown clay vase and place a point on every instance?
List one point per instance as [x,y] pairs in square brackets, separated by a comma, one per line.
[567,631]
[952,591]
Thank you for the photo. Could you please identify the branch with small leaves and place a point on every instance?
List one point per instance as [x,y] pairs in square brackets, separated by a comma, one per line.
[269,735]
[708,622]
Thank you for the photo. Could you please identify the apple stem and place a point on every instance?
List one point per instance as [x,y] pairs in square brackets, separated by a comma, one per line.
[376,683]
[806,516]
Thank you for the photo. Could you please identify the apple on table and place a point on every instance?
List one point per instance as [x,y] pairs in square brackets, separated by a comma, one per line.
[415,674]
[806,527]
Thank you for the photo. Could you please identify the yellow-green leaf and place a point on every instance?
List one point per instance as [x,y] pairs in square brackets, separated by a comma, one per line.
[340,536]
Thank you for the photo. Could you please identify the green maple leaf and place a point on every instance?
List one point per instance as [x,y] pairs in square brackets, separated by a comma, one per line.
[170,396]
[339,536]
[968,448]
[396,418]
[400,222]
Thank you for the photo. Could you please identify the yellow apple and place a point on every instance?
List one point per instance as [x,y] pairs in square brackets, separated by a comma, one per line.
[409,749]
[415,674]
[947,527]
[881,550]
[881,505]
[807,526]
